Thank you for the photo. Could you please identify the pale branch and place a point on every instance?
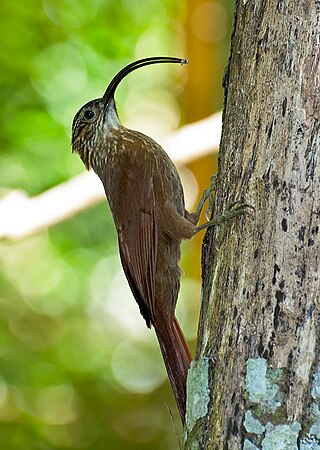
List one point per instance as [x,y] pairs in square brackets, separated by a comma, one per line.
[22,216]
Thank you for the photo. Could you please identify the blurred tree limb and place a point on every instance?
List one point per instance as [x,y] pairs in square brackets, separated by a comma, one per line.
[255,383]
[21,215]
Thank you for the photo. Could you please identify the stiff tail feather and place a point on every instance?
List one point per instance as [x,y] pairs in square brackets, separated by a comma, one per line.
[177,359]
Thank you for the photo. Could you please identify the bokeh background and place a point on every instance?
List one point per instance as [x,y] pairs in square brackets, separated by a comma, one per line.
[78,367]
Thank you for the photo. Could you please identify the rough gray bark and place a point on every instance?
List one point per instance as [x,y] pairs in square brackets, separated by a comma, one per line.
[255,383]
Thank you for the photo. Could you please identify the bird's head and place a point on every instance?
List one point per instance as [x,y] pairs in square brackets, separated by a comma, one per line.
[99,117]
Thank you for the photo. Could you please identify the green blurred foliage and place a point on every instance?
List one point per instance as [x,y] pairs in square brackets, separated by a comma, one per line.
[78,367]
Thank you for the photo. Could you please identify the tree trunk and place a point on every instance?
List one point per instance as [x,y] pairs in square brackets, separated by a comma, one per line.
[255,383]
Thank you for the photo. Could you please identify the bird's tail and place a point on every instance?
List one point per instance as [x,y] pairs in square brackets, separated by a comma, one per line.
[177,358]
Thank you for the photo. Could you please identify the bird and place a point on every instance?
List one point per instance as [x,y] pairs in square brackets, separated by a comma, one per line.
[146,199]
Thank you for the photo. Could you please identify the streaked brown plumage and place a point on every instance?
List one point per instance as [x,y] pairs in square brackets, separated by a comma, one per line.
[146,198]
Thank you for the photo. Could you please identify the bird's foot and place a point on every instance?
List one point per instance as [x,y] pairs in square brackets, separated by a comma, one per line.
[236,209]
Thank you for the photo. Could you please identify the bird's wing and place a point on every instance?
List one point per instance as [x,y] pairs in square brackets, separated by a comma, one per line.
[132,202]
[138,250]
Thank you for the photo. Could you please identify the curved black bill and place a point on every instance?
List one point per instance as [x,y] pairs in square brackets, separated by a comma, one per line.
[109,93]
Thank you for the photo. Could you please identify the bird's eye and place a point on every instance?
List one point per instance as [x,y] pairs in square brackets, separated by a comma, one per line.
[89,114]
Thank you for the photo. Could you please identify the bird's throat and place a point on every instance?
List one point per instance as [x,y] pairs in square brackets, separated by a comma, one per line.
[111,118]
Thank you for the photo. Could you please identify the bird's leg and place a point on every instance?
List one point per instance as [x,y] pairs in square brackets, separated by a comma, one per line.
[207,194]
[235,209]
